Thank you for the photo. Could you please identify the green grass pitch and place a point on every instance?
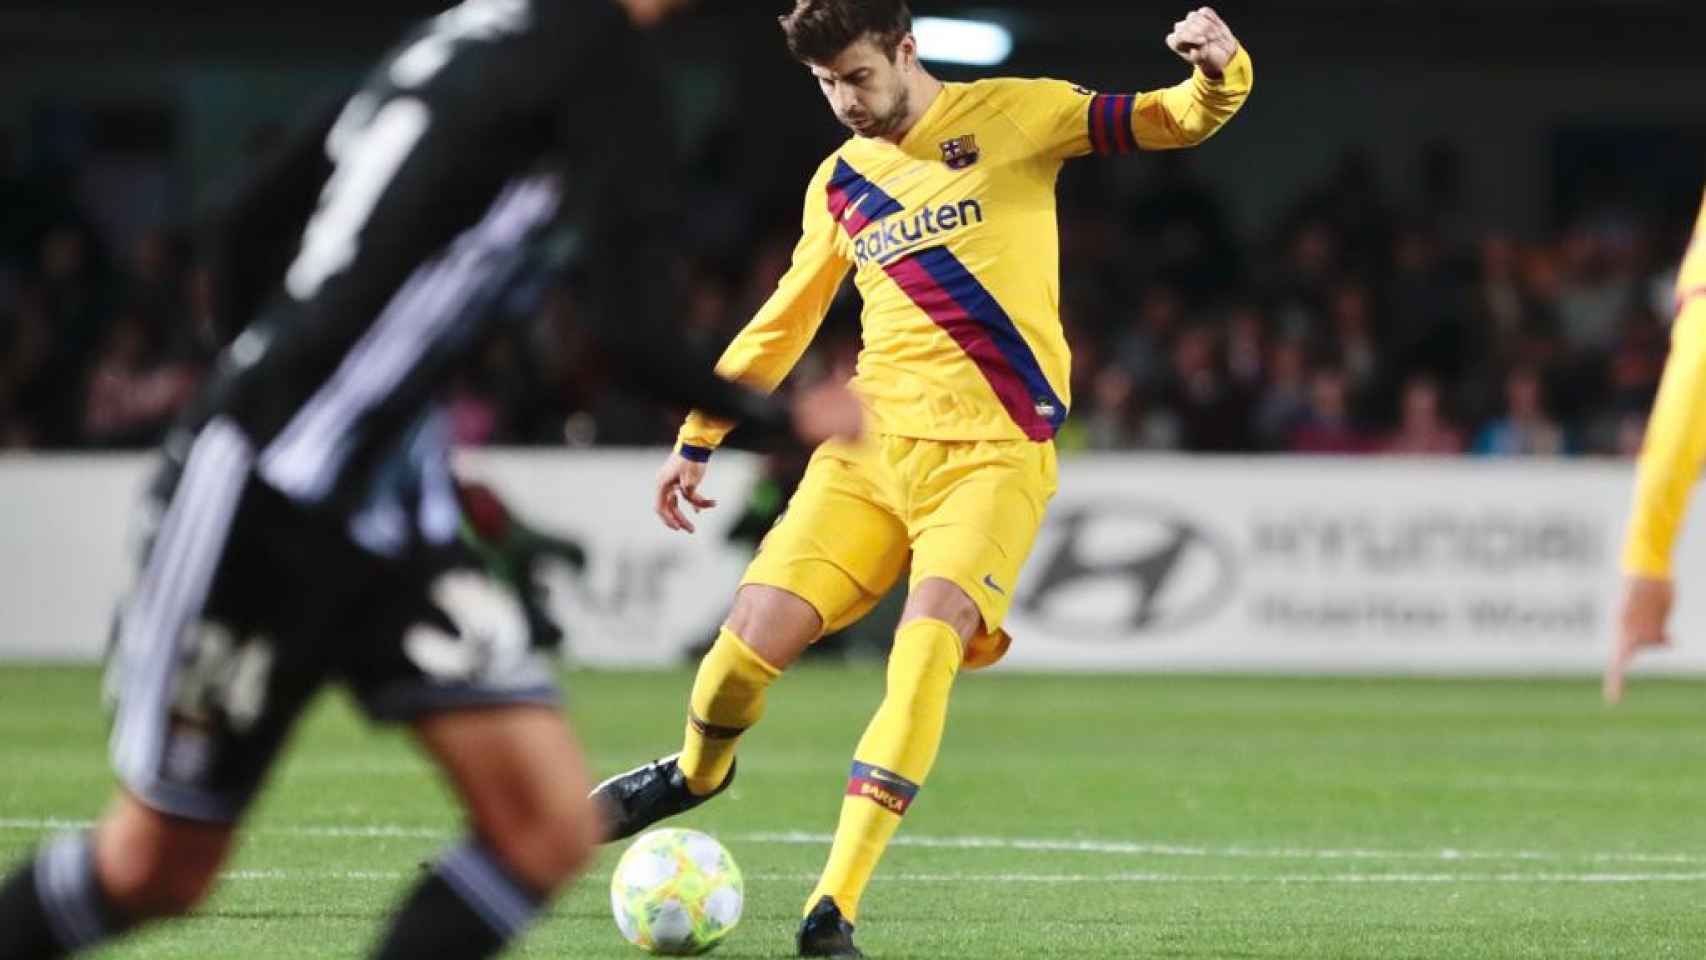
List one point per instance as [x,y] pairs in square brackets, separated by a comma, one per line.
[1165,817]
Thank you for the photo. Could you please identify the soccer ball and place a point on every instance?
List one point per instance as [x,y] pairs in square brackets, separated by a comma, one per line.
[676,892]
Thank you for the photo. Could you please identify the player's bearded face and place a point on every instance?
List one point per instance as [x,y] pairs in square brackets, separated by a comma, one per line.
[866,88]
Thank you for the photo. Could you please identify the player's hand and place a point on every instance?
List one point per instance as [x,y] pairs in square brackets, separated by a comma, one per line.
[1641,623]
[680,478]
[1204,40]
[828,411]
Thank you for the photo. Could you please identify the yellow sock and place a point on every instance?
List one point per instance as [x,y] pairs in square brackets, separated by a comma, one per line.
[892,759]
[728,698]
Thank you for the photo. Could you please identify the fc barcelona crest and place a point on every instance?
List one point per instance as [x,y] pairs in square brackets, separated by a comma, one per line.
[960,152]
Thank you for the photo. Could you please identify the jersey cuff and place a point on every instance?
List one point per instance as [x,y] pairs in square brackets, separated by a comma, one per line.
[694,453]
[1658,569]
[1236,73]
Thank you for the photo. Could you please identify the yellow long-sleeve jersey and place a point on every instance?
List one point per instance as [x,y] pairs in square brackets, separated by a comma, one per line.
[1675,444]
[953,238]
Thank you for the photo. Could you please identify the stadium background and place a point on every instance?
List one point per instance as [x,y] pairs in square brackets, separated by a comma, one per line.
[1488,195]
[1437,229]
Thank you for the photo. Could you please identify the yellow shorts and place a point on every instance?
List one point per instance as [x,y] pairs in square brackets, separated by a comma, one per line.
[967,512]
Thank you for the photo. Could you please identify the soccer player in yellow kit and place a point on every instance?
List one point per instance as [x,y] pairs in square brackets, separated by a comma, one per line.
[943,206]
[1670,462]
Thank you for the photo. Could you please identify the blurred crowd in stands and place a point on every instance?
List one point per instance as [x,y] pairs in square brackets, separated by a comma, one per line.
[1355,324]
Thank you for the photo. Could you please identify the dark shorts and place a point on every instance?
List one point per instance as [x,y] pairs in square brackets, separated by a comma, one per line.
[246,605]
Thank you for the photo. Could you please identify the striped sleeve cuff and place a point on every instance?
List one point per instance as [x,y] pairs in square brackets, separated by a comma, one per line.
[694,453]
[1110,123]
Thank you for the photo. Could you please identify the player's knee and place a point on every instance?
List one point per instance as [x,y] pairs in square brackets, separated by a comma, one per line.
[775,624]
[546,842]
[151,866]
[937,598]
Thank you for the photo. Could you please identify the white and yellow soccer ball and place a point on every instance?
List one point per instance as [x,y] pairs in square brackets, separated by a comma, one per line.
[676,892]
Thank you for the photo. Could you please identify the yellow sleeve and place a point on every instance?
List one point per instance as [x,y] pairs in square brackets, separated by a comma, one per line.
[1675,444]
[1054,114]
[767,348]
[1069,121]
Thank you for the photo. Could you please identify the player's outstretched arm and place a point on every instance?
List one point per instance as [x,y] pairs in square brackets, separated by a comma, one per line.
[1671,459]
[1670,463]
[1191,112]
[766,349]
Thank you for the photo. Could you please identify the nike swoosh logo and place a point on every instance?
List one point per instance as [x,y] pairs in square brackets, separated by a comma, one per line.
[991,584]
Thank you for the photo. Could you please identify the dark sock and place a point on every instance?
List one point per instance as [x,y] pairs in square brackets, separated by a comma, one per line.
[470,907]
[52,906]
[24,930]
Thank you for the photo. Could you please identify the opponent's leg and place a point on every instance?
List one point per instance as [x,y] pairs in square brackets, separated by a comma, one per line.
[83,888]
[522,778]
[893,758]
[191,741]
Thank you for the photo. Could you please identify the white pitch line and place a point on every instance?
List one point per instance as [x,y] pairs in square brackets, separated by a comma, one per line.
[1054,879]
[371,832]
[1110,847]
[1284,879]
[1129,848]
[362,875]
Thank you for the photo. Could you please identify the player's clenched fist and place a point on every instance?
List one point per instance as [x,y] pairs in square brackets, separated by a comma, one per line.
[1203,40]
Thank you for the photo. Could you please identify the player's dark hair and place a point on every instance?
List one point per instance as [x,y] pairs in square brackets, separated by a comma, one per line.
[818,30]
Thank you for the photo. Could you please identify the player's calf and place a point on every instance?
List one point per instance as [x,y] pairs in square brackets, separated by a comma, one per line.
[152,865]
[522,778]
[85,888]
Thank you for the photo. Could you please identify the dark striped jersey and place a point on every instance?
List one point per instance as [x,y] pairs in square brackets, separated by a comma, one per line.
[489,128]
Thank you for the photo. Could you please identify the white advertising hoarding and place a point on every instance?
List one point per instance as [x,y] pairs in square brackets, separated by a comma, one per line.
[64,551]
[648,592]
[1326,565]
[1145,563]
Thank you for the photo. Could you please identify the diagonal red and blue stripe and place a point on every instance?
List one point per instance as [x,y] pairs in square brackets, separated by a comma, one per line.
[1110,123]
[949,295]
[856,202]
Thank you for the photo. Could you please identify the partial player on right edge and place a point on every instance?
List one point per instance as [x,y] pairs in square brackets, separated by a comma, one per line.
[1670,464]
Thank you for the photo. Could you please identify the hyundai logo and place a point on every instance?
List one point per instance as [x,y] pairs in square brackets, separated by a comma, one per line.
[1111,570]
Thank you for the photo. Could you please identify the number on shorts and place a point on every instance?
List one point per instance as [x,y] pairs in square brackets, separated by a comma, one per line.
[226,675]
